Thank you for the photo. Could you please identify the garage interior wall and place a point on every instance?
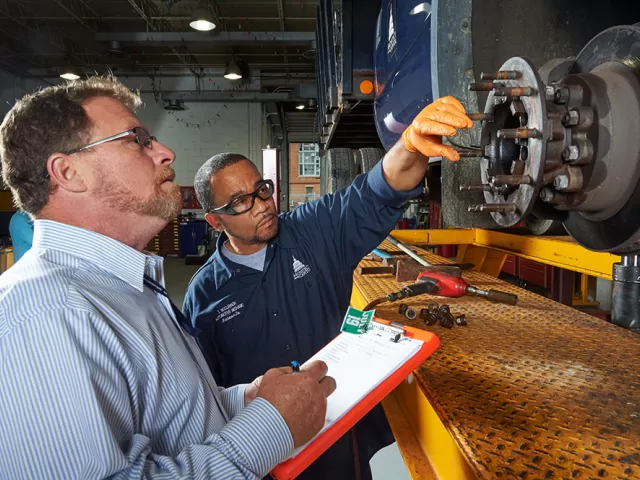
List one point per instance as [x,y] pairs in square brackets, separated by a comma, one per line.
[238,129]
[12,87]
[223,126]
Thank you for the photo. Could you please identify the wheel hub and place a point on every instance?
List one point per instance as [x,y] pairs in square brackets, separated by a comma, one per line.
[569,148]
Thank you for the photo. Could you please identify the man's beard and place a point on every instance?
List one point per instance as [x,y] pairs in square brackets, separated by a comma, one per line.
[266,238]
[256,238]
[165,203]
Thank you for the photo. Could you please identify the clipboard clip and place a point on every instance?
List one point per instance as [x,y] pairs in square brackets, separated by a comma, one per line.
[394,331]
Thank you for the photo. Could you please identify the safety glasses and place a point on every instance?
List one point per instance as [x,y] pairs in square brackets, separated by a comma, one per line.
[142,138]
[244,203]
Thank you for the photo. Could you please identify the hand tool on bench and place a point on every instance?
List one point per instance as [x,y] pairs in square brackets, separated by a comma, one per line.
[408,269]
[408,251]
[447,285]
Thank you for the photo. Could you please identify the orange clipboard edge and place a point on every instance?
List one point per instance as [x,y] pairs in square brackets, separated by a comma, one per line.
[291,468]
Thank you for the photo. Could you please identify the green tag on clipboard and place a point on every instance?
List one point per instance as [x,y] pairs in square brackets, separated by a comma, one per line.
[356,321]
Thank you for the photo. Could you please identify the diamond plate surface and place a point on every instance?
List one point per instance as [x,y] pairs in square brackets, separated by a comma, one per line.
[537,390]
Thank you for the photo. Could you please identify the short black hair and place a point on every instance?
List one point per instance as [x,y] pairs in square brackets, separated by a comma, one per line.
[203,177]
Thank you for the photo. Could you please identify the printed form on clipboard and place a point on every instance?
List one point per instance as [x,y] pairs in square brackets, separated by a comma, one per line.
[366,368]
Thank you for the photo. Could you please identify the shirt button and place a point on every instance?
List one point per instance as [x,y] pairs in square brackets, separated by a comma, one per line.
[287,347]
[275,313]
[238,270]
[264,279]
[272,245]
[308,284]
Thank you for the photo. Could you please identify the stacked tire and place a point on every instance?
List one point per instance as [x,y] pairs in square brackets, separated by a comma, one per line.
[340,166]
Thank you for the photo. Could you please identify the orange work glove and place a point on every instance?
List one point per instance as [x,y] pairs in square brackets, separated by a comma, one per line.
[442,117]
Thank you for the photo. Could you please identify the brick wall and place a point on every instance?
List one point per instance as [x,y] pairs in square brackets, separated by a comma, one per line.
[298,185]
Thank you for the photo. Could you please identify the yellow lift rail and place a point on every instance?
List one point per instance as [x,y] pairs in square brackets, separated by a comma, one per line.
[488,249]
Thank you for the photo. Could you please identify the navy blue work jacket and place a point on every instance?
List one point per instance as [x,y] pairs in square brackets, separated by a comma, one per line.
[252,321]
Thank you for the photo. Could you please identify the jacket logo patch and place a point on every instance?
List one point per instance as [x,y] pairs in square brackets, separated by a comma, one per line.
[229,311]
[299,269]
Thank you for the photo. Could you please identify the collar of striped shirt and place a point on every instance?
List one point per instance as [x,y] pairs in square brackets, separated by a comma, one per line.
[113,256]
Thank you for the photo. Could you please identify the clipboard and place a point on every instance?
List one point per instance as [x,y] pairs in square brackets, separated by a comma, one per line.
[291,468]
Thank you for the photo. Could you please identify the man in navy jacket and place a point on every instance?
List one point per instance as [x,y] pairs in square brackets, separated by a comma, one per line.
[278,286]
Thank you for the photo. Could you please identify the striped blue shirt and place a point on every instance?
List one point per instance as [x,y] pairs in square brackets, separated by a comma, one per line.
[98,380]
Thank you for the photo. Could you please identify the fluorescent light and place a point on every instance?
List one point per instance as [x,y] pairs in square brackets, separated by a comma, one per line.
[300,106]
[202,25]
[69,73]
[201,19]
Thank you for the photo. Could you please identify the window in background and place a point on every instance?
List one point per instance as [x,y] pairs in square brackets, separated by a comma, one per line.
[309,193]
[308,160]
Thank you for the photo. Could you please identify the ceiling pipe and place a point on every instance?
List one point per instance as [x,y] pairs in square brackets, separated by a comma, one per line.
[226,38]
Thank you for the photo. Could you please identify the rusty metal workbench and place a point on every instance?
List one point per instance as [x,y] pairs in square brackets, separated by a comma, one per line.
[538,390]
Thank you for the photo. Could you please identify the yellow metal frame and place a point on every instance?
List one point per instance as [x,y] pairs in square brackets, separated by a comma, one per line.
[581,297]
[487,249]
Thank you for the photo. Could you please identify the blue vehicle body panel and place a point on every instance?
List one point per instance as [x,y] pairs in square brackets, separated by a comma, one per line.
[402,66]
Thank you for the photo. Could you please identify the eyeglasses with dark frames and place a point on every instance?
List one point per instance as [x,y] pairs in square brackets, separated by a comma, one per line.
[244,203]
[142,138]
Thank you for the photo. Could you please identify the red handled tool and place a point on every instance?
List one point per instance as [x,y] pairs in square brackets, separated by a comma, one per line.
[447,285]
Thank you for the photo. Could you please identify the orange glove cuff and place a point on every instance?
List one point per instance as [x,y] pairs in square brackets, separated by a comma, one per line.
[406,140]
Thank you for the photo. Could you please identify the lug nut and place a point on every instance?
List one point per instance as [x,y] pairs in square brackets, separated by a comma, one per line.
[550,93]
[547,195]
[428,317]
[446,319]
[561,182]
[571,119]
[571,153]
[557,94]
[411,313]
[461,320]
[561,95]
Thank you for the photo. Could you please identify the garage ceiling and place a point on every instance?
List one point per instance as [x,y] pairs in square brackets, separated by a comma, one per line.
[40,37]
[273,39]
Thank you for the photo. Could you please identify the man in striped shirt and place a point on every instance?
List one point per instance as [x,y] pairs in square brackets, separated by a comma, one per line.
[99,374]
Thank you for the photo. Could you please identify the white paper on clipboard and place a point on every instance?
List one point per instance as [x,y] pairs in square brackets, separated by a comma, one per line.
[359,363]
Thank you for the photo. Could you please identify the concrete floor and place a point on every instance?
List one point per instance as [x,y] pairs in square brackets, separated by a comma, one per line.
[386,464]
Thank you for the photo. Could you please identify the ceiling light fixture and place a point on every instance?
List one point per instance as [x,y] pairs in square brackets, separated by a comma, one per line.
[70,73]
[233,72]
[300,106]
[202,19]
[175,105]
